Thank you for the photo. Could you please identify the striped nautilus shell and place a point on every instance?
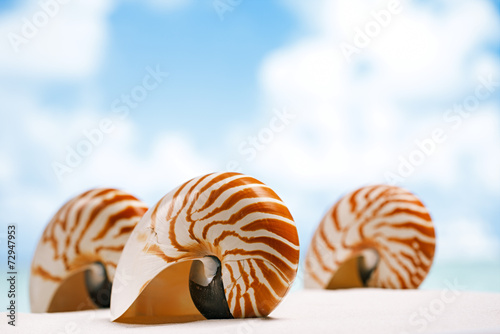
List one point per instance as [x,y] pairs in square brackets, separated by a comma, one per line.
[221,245]
[377,236]
[76,257]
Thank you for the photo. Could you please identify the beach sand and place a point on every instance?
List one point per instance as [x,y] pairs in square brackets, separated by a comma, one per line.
[310,311]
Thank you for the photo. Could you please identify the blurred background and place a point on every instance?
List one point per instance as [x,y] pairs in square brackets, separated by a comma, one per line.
[314,98]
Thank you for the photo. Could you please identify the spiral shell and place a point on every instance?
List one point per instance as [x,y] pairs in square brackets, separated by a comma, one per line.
[228,220]
[86,236]
[386,226]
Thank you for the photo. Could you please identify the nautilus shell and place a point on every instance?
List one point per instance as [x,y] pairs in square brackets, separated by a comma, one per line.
[220,246]
[76,258]
[377,236]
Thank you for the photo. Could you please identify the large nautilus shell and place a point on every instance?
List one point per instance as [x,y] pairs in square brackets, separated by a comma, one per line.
[76,258]
[377,236]
[219,246]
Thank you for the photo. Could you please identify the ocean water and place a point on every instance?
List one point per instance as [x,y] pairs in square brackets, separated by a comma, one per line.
[467,276]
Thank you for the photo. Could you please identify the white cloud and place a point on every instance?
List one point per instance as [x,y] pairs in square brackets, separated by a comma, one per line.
[68,43]
[351,113]
[150,171]
[418,53]
[59,39]
[355,119]
[470,155]
[115,160]
[147,170]
[8,169]
[468,240]
[168,4]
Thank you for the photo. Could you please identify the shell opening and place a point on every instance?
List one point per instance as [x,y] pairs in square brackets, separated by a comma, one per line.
[367,263]
[86,289]
[164,299]
[183,292]
[356,271]
[98,285]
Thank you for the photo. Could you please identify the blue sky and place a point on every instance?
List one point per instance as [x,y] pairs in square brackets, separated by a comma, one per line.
[351,119]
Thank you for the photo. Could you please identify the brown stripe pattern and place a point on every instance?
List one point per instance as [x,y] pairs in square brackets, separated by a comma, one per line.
[239,220]
[387,219]
[93,226]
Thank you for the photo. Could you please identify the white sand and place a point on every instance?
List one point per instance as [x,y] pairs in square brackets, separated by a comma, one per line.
[344,311]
